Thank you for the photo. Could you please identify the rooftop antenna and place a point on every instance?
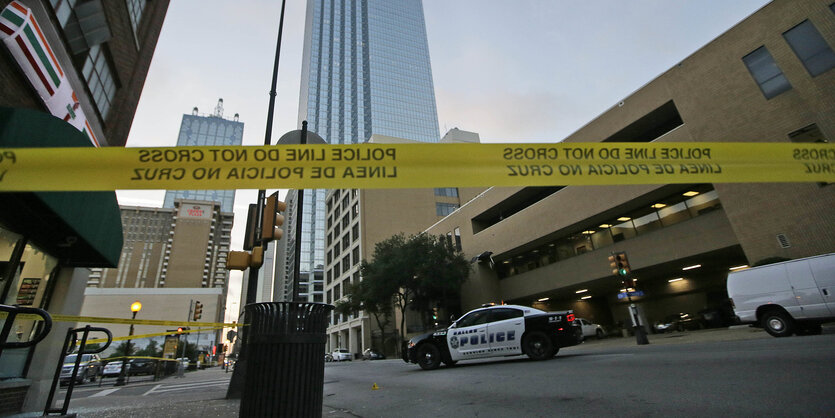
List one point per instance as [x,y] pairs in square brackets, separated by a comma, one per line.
[194,111]
[219,108]
[236,117]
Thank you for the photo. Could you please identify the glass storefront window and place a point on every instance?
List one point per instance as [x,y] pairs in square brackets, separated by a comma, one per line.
[25,274]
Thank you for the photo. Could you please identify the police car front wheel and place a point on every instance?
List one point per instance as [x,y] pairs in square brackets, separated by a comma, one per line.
[428,356]
[538,346]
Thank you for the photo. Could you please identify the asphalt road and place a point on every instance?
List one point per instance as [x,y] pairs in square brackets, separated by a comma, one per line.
[736,372]
[762,376]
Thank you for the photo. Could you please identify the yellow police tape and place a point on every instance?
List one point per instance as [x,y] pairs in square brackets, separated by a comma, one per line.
[157,334]
[135,357]
[105,320]
[368,166]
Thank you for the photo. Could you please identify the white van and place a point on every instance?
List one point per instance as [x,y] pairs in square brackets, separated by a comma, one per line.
[785,298]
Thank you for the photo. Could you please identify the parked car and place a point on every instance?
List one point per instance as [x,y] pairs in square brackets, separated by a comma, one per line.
[679,322]
[790,297]
[717,317]
[590,329]
[372,354]
[90,368]
[142,366]
[113,368]
[341,354]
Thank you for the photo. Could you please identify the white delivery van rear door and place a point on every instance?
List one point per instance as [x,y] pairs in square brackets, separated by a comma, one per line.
[806,292]
[823,270]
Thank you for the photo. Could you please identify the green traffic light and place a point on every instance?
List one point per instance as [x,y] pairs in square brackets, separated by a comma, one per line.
[622,272]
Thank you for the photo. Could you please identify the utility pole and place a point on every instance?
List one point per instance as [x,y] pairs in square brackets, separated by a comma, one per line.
[238,376]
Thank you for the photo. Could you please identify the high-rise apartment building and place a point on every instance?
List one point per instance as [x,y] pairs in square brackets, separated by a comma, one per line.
[181,247]
[365,71]
[204,130]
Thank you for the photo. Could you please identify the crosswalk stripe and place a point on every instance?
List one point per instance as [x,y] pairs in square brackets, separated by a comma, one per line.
[104,392]
[167,389]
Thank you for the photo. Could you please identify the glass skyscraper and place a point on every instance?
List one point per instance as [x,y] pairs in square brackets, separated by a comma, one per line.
[365,71]
[196,130]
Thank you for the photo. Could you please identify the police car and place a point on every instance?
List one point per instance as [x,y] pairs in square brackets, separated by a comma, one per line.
[493,331]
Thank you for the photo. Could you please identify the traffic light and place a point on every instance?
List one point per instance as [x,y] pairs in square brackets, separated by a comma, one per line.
[272,219]
[198,310]
[619,264]
[179,330]
[256,259]
[251,234]
[238,260]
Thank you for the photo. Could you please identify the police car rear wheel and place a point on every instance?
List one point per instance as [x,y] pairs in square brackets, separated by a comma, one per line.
[429,357]
[538,346]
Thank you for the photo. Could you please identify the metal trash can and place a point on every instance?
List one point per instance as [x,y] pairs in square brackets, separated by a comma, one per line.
[285,345]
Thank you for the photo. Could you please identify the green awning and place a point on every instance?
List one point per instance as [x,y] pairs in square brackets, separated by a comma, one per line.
[79,228]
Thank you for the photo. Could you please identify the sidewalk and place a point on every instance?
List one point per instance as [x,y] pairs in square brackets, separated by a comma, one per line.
[733,333]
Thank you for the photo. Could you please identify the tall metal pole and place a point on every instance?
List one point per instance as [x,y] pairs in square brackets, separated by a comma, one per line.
[297,256]
[120,381]
[237,382]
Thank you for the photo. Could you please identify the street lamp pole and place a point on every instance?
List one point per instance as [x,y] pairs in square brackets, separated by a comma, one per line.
[135,307]
[237,382]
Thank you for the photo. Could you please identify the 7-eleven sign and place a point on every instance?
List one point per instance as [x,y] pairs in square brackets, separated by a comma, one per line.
[23,37]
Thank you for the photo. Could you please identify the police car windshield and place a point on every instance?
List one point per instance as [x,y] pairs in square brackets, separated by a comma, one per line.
[472,318]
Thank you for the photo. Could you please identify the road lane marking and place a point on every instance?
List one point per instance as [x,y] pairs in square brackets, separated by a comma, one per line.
[151,391]
[104,392]
[185,386]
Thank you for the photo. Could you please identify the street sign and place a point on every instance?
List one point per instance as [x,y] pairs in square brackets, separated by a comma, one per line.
[630,294]
[295,138]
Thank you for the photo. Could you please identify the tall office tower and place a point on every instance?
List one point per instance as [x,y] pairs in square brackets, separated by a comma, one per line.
[197,130]
[365,71]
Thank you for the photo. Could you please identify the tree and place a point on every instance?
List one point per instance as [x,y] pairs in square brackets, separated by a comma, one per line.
[368,296]
[151,350]
[413,273]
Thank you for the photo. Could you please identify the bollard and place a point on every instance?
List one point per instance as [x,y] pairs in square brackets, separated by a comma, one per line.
[287,342]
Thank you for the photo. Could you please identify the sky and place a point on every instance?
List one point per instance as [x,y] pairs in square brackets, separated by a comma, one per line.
[513,71]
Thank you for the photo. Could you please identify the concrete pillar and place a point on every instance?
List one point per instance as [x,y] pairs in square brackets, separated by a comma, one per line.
[67,298]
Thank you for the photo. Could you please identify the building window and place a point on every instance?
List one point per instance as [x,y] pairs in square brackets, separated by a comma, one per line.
[135,9]
[444,209]
[446,191]
[695,201]
[809,133]
[355,253]
[27,278]
[457,233]
[766,72]
[63,9]
[99,79]
[808,44]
